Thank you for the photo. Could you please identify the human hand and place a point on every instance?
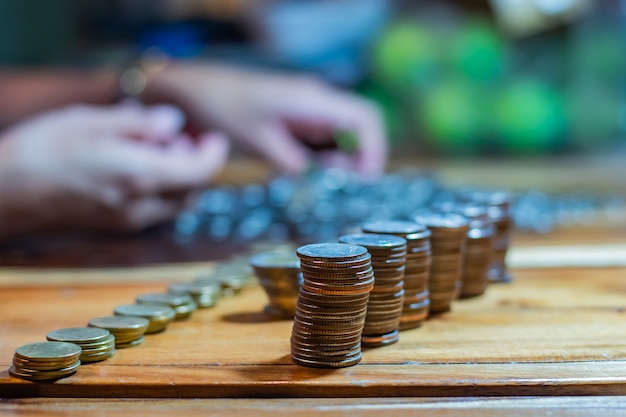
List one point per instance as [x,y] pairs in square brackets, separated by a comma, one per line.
[117,169]
[281,117]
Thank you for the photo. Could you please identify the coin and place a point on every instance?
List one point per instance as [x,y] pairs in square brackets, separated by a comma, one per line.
[331,251]
[183,305]
[78,334]
[204,294]
[49,351]
[160,316]
[96,343]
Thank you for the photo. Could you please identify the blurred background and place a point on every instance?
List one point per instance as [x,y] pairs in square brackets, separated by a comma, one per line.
[453,78]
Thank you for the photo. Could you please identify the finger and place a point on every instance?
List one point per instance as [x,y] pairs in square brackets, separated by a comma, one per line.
[181,168]
[149,210]
[347,112]
[130,119]
[273,142]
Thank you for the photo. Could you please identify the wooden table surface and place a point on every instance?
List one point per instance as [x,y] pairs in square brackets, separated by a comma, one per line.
[553,342]
[558,332]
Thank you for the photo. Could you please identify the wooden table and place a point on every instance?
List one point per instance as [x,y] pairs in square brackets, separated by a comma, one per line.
[558,333]
[553,342]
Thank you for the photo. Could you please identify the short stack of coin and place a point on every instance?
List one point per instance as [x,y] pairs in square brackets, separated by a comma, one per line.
[96,344]
[205,294]
[128,331]
[385,303]
[332,304]
[231,283]
[183,305]
[498,208]
[478,245]
[45,361]
[416,293]
[279,275]
[449,232]
[160,316]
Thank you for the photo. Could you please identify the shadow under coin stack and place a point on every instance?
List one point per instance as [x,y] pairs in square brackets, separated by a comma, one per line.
[478,245]
[96,344]
[385,303]
[332,303]
[416,292]
[128,331]
[45,361]
[449,232]
[280,277]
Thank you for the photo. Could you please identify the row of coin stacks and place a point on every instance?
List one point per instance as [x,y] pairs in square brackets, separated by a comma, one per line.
[66,349]
[393,275]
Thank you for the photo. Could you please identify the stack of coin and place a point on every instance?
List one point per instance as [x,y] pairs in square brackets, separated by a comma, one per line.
[449,232]
[160,316]
[498,208]
[478,245]
[385,303]
[96,344]
[230,282]
[45,361]
[128,331]
[183,305]
[204,294]
[280,277]
[416,293]
[332,303]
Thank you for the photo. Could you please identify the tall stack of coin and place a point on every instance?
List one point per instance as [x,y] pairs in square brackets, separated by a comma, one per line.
[160,316]
[45,361]
[332,303]
[416,293]
[280,277]
[449,232]
[498,208]
[478,245]
[128,331]
[96,344]
[183,305]
[385,303]
[205,294]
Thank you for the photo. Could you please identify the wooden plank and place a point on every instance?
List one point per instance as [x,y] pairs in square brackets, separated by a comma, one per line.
[303,407]
[549,333]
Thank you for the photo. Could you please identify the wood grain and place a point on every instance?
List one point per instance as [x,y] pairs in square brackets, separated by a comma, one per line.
[302,407]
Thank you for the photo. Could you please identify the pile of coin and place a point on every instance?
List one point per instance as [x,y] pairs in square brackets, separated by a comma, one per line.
[128,331]
[96,344]
[160,316]
[204,294]
[45,361]
[332,304]
[478,245]
[416,293]
[498,208]
[183,305]
[385,303]
[448,235]
[280,277]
